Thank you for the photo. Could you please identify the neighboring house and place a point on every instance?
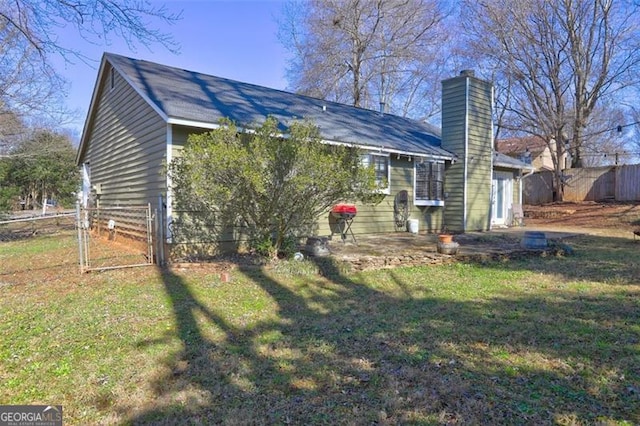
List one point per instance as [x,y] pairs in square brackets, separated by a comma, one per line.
[141,114]
[539,188]
[531,150]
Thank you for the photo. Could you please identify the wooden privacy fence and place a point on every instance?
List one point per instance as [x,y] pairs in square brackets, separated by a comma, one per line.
[615,183]
[589,184]
[628,183]
[538,188]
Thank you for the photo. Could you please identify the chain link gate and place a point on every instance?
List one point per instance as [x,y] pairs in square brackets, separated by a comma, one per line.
[114,237]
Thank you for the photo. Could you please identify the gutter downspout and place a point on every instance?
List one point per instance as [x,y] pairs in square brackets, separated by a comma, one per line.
[491,156]
[523,177]
[169,199]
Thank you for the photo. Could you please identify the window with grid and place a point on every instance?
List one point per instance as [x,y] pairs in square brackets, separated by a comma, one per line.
[380,164]
[429,183]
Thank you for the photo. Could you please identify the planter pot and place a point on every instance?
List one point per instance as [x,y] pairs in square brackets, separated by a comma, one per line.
[448,248]
[534,240]
[317,247]
[445,238]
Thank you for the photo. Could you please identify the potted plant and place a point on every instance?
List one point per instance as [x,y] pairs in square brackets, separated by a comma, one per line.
[446,244]
[444,236]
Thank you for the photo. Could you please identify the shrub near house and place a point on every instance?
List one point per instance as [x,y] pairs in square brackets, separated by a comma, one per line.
[275,185]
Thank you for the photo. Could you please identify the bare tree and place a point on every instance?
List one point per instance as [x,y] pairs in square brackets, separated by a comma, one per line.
[12,129]
[560,59]
[28,39]
[604,143]
[367,52]
[27,83]
[97,21]
[631,130]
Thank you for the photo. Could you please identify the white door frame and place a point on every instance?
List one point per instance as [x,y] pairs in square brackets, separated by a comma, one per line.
[501,198]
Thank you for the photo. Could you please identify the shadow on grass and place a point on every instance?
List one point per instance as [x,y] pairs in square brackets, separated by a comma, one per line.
[337,351]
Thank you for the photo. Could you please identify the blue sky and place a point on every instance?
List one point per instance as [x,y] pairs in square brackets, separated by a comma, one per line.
[231,39]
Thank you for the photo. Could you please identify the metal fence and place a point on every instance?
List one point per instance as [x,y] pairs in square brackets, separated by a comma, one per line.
[115,237]
[27,225]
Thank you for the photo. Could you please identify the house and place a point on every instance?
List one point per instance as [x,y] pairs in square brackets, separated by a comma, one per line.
[540,187]
[532,150]
[141,114]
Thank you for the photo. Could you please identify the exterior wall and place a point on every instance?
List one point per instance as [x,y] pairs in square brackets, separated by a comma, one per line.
[543,160]
[198,232]
[467,130]
[379,218]
[127,147]
[180,134]
[454,138]
[371,219]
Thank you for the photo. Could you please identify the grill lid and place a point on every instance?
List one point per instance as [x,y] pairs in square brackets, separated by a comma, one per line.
[344,209]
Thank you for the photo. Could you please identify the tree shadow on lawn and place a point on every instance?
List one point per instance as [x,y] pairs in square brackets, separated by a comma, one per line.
[341,352]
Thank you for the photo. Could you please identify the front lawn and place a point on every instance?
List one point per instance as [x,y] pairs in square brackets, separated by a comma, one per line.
[539,340]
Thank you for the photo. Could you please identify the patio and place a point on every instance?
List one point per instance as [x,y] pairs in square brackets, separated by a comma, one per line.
[407,249]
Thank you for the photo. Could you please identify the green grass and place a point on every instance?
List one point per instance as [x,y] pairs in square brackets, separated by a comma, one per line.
[539,340]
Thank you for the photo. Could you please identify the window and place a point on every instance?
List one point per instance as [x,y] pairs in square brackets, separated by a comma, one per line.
[112,78]
[380,164]
[429,183]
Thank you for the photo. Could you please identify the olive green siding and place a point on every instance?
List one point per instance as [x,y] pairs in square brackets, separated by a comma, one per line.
[127,146]
[179,136]
[467,131]
[453,139]
[371,219]
[379,218]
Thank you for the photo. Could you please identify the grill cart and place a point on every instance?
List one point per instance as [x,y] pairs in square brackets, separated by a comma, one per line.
[344,215]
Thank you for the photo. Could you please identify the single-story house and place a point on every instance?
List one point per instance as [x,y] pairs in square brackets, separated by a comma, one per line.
[141,114]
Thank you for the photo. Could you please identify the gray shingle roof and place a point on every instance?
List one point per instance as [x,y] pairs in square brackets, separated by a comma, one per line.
[502,160]
[187,96]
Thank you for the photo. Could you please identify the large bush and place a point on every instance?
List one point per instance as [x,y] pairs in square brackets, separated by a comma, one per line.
[273,183]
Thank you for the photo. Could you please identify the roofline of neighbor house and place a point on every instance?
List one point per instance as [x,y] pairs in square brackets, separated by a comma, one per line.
[511,165]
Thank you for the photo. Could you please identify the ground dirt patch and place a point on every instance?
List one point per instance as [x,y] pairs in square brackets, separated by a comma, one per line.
[617,217]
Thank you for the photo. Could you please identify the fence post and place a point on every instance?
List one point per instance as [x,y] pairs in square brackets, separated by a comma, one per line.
[149,234]
[79,227]
[160,230]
